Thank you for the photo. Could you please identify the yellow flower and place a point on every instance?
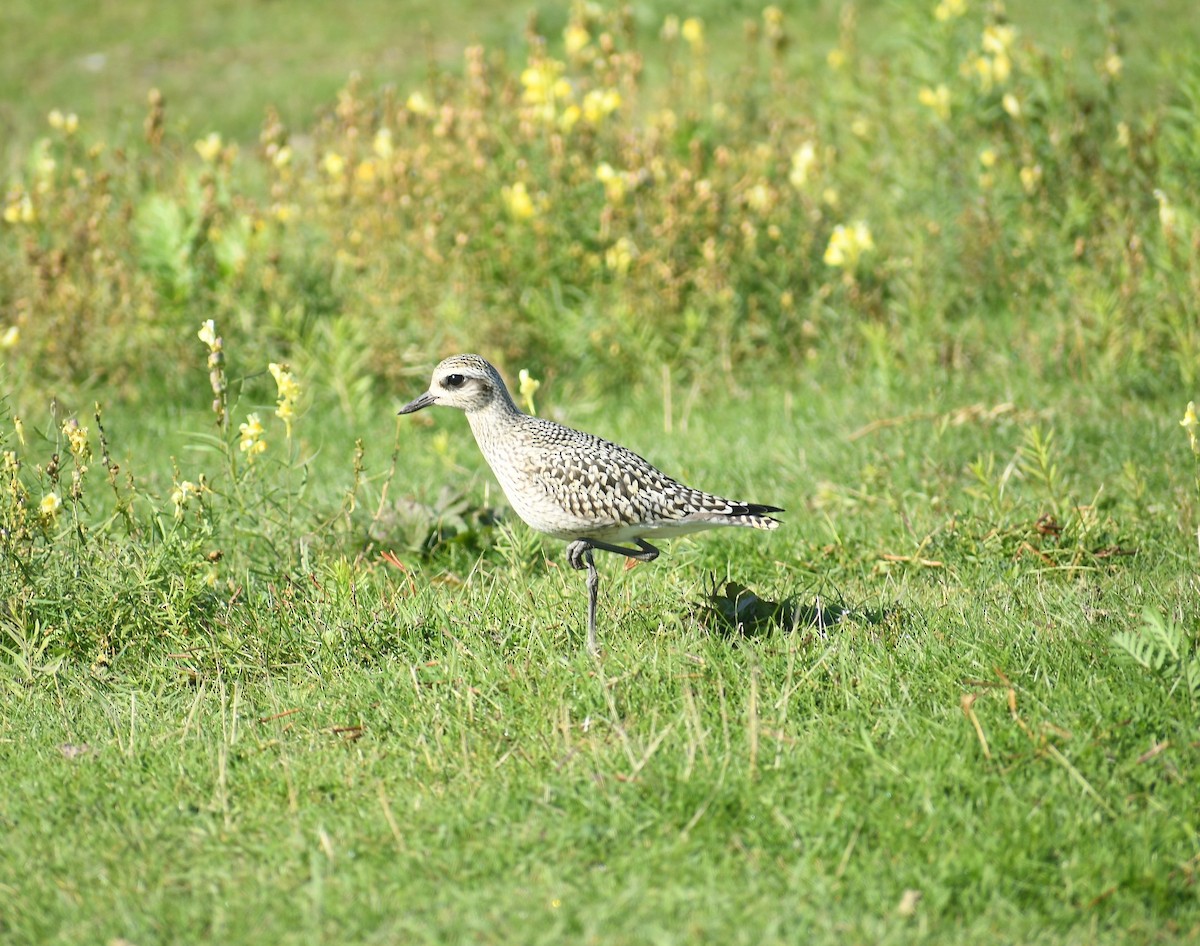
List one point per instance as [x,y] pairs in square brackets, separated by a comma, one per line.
[613,181]
[334,165]
[18,208]
[575,38]
[68,124]
[208,335]
[936,100]
[619,256]
[803,160]
[692,30]
[50,505]
[382,145]
[1011,104]
[836,58]
[1113,64]
[998,39]
[1166,212]
[528,388]
[289,392]
[987,157]
[544,84]
[418,104]
[77,437]
[251,432]
[570,117]
[518,202]
[182,493]
[949,10]
[598,104]
[847,245]
[772,16]
[1031,177]
[209,147]
[1124,137]
[1191,424]
[9,337]
[759,198]
[282,157]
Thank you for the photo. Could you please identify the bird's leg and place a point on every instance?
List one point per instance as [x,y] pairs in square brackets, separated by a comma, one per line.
[579,556]
[645,552]
[593,587]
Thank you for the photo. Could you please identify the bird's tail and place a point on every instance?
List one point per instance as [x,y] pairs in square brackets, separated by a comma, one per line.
[753,515]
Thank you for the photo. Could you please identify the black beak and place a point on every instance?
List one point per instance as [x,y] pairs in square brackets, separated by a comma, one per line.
[423,401]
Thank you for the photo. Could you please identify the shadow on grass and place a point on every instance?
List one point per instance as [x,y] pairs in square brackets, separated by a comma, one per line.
[737,612]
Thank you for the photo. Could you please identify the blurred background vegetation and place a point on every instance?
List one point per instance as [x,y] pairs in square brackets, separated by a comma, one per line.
[339,189]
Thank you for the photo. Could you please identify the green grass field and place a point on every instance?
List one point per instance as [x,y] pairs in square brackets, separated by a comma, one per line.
[277,666]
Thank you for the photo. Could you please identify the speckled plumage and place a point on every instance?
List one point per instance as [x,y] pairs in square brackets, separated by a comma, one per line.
[574,485]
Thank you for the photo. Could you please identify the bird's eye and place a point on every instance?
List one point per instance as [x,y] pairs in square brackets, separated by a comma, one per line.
[454,381]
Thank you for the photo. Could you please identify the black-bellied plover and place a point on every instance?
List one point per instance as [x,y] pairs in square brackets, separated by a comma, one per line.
[577,486]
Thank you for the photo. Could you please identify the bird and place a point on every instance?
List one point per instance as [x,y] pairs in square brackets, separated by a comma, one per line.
[575,486]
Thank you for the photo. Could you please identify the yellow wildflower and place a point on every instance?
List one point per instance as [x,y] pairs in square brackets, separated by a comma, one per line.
[77,437]
[182,493]
[1124,137]
[692,30]
[209,147]
[575,38]
[282,157]
[1031,177]
[936,100]
[598,104]
[613,181]
[759,198]
[289,392]
[9,337]
[949,10]
[987,157]
[847,245]
[365,172]
[1011,104]
[50,505]
[1167,217]
[836,58]
[382,145]
[208,335]
[518,202]
[252,442]
[334,165]
[803,160]
[418,104]
[544,84]
[1191,424]
[998,39]
[18,208]
[570,117]
[619,256]
[1113,64]
[528,388]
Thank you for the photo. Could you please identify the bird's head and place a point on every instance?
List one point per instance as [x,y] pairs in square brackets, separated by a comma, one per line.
[467,382]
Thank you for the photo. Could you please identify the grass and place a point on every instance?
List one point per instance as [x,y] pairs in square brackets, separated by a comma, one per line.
[332,692]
